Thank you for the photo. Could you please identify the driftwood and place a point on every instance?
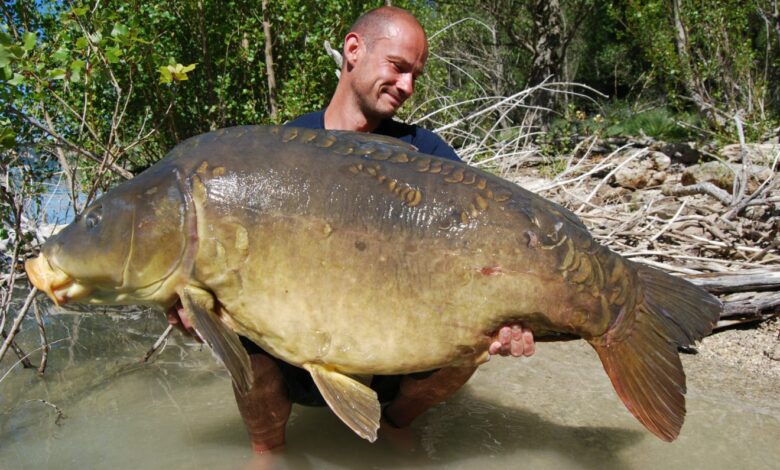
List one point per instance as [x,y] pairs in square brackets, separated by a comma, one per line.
[740,281]
[754,295]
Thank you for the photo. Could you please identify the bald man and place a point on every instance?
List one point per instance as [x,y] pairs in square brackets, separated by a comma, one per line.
[384,53]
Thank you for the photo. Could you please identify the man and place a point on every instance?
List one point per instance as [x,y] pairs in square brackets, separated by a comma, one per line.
[384,53]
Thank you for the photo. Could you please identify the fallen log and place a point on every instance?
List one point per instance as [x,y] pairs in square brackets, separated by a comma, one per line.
[739,281]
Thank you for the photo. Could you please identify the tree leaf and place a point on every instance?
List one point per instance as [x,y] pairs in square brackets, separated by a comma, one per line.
[113,54]
[17,80]
[29,41]
[119,30]
[56,74]
[61,55]
[175,72]
[96,37]
[7,138]
[6,39]
[5,57]
[165,74]
[16,51]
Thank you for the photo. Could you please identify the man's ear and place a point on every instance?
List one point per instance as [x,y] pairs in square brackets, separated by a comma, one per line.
[352,44]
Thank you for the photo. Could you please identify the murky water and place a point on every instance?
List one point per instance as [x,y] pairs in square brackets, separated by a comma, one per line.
[554,410]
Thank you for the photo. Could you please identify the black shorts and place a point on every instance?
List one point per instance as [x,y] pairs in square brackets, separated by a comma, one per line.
[302,390]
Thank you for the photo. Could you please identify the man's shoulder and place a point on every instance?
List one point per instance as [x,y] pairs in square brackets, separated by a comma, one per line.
[426,141]
[313,120]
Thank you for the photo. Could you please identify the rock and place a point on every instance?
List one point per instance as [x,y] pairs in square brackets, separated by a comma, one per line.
[761,154]
[618,194]
[646,170]
[722,175]
[682,153]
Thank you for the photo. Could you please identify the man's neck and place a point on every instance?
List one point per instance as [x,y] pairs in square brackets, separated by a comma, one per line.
[343,114]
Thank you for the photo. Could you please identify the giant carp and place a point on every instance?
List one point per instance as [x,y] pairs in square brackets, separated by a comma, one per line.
[350,254]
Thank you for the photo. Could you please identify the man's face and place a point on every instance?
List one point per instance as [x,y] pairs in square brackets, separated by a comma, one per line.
[386,70]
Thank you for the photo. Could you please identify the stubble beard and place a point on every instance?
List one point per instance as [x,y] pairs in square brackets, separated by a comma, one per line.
[372,110]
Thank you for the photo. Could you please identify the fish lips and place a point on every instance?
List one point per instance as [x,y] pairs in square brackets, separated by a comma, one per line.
[57,284]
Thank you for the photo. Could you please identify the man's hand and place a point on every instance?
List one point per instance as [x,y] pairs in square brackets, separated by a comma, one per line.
[515,340]
[178,318]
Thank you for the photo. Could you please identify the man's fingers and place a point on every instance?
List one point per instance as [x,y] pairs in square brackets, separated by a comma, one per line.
[504,335]
[517,346]
[514,340]
[528,342]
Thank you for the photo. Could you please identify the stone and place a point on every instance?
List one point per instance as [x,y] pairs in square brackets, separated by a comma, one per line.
[722,175]
[682,153]
[760,154]
[644,171]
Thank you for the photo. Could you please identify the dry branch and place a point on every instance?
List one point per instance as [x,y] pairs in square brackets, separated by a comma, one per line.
[17,322]
[740,281]
[157,344]
[701,188]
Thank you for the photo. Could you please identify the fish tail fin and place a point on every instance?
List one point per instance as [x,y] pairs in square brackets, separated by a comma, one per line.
[640,355]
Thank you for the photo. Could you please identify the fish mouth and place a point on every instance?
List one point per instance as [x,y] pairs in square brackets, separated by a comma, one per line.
[58,285]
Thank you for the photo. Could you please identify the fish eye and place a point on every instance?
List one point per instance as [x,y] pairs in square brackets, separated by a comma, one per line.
[94,217]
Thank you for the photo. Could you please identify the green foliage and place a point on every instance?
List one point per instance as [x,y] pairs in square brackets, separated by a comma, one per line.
[661,123]
[112,82]
[615,119]
[719,61]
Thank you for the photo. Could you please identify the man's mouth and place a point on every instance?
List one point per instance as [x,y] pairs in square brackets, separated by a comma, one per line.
[396,101]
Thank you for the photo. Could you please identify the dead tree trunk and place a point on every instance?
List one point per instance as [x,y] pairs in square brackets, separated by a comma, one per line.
[547,61]
[691,81]
[269,61]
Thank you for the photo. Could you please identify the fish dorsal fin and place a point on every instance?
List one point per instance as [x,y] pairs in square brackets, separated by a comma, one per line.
[356,404]
[200,306]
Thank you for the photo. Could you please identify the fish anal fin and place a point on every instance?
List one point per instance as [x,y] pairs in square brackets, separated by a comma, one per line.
[354,403]
[201,308]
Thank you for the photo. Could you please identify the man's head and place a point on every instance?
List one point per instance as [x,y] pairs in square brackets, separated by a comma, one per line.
[384,53]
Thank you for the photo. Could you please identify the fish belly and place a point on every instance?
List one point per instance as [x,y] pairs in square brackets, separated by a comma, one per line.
[365,303]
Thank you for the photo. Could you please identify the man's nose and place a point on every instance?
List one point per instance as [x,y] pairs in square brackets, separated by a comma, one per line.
[406,84]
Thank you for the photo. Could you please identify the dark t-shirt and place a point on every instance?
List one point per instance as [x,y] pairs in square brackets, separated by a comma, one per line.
[300,386]
[425,140]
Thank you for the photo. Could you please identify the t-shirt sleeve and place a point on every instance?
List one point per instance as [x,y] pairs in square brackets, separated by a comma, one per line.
[310,120]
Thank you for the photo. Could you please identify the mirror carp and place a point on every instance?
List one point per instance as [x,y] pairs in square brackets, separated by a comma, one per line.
[350,254]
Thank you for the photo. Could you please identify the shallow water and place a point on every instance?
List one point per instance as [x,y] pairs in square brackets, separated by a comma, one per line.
[554,410]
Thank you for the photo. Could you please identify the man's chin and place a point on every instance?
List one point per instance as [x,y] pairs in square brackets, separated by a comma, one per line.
[386,110]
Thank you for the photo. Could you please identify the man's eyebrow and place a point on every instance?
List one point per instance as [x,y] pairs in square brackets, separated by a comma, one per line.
[404,62]
[398,58]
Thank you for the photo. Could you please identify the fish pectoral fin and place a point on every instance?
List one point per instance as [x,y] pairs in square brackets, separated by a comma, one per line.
[200,306]
[356,404]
